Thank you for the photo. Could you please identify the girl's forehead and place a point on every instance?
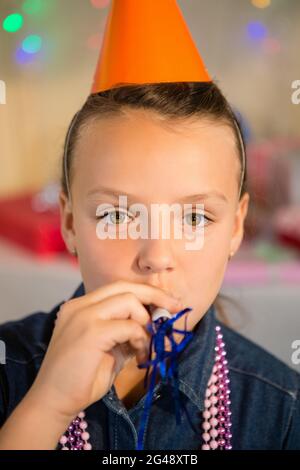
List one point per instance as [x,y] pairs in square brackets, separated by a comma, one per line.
[136,131]
[145,153]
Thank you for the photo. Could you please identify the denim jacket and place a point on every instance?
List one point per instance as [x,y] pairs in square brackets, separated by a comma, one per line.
[265,393]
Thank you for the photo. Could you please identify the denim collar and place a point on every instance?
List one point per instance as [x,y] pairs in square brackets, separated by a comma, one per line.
[196,361]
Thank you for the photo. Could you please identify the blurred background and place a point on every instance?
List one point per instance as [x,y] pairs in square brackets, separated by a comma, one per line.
[48,54]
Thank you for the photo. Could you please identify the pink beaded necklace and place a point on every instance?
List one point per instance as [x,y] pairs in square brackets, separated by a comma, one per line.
[216,415]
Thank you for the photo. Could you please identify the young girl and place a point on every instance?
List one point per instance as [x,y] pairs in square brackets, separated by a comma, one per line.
[71,378]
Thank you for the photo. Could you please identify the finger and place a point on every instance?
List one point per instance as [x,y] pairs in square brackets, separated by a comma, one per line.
[147,295]
[114,332]
[119,307]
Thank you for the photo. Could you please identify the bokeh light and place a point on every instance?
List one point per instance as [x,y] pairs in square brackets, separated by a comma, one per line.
[256,30]
[271,45]
[261,3]
[13,22]
[32,44]
[32,7]
[23,57]
[100,3]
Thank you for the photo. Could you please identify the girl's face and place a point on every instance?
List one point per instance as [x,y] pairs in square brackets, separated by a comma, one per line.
[151,161]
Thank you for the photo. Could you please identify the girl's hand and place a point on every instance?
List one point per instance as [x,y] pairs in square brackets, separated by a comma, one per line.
[94,337]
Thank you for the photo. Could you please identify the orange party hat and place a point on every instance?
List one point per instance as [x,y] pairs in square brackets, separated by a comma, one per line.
[147,41]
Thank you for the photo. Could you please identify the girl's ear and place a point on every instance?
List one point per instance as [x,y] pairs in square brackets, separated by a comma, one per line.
[240,216]
[66,221]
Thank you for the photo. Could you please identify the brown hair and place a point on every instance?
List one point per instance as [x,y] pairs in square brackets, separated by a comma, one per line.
[170,100]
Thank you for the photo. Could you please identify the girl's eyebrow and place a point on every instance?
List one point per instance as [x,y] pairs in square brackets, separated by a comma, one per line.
[114,193]
[203,196]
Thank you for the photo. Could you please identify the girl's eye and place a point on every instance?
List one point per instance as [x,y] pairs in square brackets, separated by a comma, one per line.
[114,217]
[195,219]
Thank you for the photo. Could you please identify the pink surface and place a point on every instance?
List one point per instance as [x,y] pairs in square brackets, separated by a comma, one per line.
[241,272]
[256,272]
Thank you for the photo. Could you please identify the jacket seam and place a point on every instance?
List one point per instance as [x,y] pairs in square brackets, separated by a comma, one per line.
[289,421]
[291,393]
[192,396]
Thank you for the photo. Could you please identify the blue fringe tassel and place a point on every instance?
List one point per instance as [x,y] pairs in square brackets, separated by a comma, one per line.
[160,329]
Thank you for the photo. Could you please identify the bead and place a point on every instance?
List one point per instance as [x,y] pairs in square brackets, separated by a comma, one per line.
[207,403]
[87,446]
[64,448]
[213,421]
[63,440]
[217,413]
[214,433]
[83,425]
[71,439]
[85,436]
[213,445]
[206,426]
[81,414]
[214,400]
